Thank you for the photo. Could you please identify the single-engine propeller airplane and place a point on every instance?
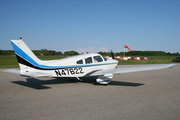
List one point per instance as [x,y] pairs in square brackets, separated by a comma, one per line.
[78,66]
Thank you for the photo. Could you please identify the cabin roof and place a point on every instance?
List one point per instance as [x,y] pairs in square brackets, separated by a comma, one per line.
[73,59]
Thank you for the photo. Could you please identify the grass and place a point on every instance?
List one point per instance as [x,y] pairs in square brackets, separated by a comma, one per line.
[8,62]
[11,61]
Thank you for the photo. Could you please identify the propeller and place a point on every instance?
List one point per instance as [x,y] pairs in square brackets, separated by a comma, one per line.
[112,54]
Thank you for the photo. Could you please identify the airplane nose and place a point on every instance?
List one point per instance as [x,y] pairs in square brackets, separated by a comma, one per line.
[115,61]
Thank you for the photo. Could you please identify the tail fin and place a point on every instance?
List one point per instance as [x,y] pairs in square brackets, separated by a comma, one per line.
[24,54]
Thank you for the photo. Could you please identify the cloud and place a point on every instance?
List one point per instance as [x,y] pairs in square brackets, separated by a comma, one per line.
[83,50]
[103,49]
[92,50]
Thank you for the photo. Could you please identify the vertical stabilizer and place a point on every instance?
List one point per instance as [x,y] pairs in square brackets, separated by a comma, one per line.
[24,54]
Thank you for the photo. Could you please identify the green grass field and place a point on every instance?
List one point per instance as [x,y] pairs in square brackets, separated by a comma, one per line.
[11,61]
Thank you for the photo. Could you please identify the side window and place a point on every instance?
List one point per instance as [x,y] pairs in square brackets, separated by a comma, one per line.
[88,60]
[79,62]
[97,59]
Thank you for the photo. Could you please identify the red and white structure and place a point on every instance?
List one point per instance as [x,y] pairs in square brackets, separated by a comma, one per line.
[118,57]
[144,58]
[136,58]
[123,58]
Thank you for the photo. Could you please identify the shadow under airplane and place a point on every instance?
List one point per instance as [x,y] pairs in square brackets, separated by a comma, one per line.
[39,84]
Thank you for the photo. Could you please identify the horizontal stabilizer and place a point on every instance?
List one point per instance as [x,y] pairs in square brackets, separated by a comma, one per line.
[35,74]
[15,71]
[28,74]
[132,69]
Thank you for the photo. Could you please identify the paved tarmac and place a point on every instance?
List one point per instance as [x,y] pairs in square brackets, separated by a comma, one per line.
[147,95]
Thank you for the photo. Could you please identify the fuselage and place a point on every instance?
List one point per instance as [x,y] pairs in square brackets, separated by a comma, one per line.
[76,66]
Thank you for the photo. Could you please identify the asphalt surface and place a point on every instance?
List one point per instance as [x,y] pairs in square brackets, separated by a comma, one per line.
[147,95]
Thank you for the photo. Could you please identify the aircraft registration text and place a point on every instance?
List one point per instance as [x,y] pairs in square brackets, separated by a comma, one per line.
[69,71]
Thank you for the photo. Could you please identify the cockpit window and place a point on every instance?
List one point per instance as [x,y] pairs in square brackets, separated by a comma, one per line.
[104,58]
[88,60]
[79,62]
[97,59]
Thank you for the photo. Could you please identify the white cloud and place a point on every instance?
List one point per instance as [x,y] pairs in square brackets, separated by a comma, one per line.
[83,50]
[92,50]
[103,49]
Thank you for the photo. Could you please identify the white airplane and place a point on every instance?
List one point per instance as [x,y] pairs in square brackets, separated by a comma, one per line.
[79,66]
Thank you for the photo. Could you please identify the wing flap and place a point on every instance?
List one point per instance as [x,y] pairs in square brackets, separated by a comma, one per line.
[132,69]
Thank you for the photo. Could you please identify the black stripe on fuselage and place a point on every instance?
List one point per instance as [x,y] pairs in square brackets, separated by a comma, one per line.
[24,62]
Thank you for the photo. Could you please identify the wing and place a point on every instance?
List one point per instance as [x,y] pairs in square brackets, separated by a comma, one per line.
[28,74]
[132,69]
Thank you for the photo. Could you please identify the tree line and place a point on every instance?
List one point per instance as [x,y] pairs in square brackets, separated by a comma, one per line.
[45,52]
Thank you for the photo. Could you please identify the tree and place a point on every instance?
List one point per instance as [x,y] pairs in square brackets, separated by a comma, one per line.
[52,52]
[59,53]
[71,53]
[44,52]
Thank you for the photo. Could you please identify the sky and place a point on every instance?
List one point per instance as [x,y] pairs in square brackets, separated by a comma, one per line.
[91,25]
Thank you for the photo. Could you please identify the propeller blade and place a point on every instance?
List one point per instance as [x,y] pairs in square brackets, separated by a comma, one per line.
[112,54]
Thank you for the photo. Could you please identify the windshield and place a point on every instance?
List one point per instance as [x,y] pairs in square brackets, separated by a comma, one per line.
[97,59]
[104,58]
